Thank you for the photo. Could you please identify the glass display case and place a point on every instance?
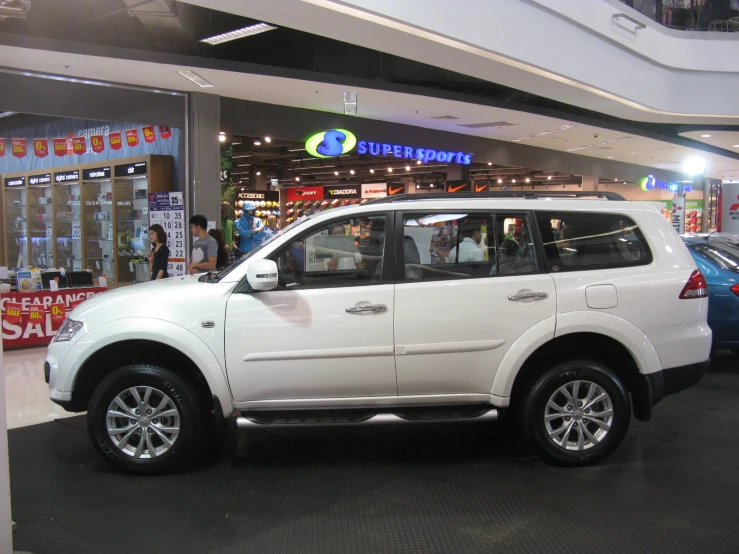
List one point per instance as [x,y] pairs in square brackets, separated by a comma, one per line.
[98,237]
[132,223]
[41,221]
[68,220]
[15,221]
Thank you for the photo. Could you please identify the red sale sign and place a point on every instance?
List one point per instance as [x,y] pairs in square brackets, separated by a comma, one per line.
[41,147]
[165,131]
[98,144]
[58,313]
[80,145]
[132,137]
[13,312]
[2,147]
[149,134]
[60,147]
[116,142]
[20,147]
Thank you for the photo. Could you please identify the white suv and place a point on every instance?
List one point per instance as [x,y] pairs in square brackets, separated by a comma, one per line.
[568,312]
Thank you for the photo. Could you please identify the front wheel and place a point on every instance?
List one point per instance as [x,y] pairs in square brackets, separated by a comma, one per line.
[145,419]
[576,414]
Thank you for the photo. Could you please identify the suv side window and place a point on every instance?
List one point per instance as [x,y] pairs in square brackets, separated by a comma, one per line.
[343,253]
[442,246]
[578,241]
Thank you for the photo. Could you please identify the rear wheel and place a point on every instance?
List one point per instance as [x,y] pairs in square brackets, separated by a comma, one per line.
[145,419]
[576,414]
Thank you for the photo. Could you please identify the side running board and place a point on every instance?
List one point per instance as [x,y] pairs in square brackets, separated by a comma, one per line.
[251,422]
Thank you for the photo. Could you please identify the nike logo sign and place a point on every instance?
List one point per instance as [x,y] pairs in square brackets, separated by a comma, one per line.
[455,189]
[395,191]
[480,189]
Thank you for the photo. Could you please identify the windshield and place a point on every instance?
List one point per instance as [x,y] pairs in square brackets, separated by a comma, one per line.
[722,254]
[241,260]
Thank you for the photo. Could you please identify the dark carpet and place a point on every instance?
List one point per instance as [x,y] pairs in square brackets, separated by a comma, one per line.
[672,487]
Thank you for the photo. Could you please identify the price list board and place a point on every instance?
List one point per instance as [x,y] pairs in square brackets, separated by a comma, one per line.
[167,209]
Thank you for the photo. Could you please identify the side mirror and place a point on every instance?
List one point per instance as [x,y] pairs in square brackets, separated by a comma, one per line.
[262,275]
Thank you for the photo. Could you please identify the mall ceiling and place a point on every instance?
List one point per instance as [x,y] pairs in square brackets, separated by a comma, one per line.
[170,27]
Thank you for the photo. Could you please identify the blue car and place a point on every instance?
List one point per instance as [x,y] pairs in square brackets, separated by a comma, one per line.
[718,260]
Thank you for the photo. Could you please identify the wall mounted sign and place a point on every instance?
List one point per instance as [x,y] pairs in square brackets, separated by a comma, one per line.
[130,169]
[395,188]
[96,173]
[15,182]
[458,186]
[333,143]
[345,191]
[245,194]
[374,190]
[43,179]
[479,187]
[729,206]
[66,176]
[650,183]
[304,193]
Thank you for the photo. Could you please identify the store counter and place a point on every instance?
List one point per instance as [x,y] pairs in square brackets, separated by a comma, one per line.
[33,318]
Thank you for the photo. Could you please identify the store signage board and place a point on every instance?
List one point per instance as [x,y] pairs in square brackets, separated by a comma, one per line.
[168,210]
[11,182]
[374,190]
[96,173]
[678,214]
[66,176]
[298,194]
[36,180]
[346,191]
[130,169]
[335,142]
[730,208]
[458,186]
[244,194]
[650,183]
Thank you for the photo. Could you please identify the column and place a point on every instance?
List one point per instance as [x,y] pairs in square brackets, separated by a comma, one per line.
[204,155]
[706,205]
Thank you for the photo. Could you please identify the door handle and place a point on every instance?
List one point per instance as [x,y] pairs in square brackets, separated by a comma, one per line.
[367,309]
[528,296]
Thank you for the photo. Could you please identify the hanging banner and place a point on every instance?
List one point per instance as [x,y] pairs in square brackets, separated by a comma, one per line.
[60,147]
[98,143]
[13,312]
[149,134]
[729,208]
[80,145]
[2,147]
[41,147]
[165,132]
[20,147]
[116,142]
[70,145]
[132,137]
[58,313]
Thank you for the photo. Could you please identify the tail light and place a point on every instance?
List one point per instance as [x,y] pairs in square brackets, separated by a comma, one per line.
[735,289]
[696,287]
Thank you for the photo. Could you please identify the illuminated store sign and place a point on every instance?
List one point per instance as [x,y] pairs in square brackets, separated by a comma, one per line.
[340,141]
[97,173]
[44,179]
[66,176]
[650,183]
[15,182]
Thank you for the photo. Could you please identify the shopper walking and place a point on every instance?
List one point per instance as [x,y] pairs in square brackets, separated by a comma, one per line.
[204,247]
[223,260]
[159,255]
[250,229]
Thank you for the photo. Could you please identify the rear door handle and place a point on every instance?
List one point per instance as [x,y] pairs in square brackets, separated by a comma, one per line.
[528,296]
[367,309]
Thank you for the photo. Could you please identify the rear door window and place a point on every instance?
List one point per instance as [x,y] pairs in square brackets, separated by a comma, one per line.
[578,241]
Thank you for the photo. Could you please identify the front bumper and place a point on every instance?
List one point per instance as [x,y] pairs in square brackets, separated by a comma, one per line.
[648,390]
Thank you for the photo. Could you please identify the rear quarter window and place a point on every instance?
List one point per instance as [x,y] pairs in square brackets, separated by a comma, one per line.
[579,241]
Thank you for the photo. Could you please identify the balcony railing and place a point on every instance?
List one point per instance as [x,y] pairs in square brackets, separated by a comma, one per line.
[691,15]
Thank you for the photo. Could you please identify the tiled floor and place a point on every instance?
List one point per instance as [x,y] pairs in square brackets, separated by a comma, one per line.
[27,394]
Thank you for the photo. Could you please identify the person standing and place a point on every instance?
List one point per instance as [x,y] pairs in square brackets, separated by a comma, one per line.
[204,247]
[159,255]
[271,229]
[223,260]
[227,226]
[250,229]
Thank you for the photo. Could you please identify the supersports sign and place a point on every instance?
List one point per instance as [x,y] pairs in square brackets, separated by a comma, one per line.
[333,143]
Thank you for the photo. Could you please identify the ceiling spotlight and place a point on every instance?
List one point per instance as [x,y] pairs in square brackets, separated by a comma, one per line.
[267,140]
[490,163]
[500,181]
[694,166]
[705,136]
[372,170]
[418,162]
[336,172]
[528,180]
[351,171]
[418,186]
[389,169]
[513,180]
[259,172]
[549,178]
[431,185]
[407,168]
[238,33]
[297,178]
[736,146]
[257,143]
[195,78]
[222,137]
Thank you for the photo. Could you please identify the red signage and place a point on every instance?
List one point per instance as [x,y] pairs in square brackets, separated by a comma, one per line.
[41,147]
[304,193]
[2,147]
[60,147]
[132,137]
[20,148]
[165,132]
[481,188]
[149,134]
[97,143]
[33,318]
[116,142]
[80,145]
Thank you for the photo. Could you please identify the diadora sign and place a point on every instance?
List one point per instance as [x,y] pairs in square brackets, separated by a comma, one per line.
[340,141]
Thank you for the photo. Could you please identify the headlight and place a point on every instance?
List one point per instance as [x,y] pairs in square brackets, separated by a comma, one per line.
[68,329]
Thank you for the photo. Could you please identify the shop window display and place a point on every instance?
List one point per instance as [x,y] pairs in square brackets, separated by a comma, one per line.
[68,224]
[16,224]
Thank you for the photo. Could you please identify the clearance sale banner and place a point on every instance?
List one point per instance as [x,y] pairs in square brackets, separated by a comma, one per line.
[33,318]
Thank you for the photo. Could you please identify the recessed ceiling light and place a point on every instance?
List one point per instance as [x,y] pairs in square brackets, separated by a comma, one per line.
[549,178]
[418,162]
[705,136]
[500,181]
[257,143]
[513,180]
[389,169]
[222,137]
[195,78]
[528,180]
[736,146]
[259,172]
[490,163]
[336,172]
[297,178]
[351,171]
[267,139]
[239,33]
[372,170]
[407,168]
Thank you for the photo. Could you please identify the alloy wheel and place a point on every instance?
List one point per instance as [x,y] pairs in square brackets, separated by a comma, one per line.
[579,415]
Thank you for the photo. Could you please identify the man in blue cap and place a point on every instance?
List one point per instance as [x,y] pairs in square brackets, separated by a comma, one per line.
[250,229]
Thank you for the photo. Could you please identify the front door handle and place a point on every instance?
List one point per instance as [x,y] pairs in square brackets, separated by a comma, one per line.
[362,308]
[528,296]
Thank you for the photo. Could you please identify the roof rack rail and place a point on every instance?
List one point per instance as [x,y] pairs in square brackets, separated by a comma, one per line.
[501,194]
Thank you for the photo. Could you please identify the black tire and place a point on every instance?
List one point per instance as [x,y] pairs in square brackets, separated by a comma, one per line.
[182,395]
[533,413]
